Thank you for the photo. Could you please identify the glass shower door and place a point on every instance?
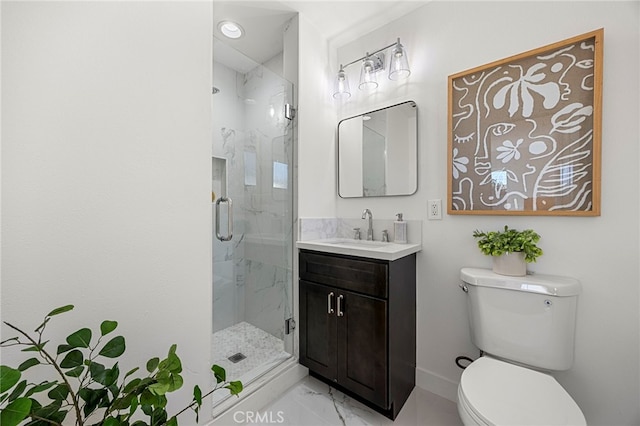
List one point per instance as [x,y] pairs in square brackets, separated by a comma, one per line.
[252,192]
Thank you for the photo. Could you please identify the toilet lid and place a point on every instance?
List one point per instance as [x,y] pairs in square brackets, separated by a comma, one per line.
[500,393]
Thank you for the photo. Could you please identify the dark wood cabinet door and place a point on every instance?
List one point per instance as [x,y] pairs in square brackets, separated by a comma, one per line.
[318,328]
[362,346]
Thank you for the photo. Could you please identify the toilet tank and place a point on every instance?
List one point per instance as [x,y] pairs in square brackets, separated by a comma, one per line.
[530,320]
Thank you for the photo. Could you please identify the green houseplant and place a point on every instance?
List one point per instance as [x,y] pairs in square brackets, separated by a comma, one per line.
[87,389]
[502,244]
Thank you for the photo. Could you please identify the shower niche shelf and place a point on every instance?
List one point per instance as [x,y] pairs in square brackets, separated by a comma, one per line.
[358,325]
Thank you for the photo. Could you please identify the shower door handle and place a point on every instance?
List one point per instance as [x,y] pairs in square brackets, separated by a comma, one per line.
[229,217]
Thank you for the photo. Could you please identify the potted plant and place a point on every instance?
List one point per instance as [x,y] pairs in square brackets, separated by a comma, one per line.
[511,249]
[85,390]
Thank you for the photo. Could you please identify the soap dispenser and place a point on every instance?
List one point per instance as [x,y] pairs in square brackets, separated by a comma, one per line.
[399,230]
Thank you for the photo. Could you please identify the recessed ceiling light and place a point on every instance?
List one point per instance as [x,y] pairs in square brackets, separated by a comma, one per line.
[230,29]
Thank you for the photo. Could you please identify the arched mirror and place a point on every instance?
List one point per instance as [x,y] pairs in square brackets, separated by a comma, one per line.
[378,152]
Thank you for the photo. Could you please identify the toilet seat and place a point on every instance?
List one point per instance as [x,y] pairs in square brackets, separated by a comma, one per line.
[494,392]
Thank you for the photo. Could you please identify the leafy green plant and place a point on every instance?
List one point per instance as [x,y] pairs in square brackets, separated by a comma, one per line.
[93,392]
[496,243]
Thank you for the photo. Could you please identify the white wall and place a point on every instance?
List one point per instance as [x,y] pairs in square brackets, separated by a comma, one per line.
[106,174]
[602,252]
[317,125]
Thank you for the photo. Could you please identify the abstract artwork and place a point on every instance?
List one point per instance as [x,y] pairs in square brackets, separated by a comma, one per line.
[524,132]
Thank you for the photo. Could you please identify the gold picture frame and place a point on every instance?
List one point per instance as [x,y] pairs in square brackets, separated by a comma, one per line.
[524,132]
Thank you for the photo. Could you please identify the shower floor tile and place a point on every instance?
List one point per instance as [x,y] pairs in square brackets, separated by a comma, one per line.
[262,350]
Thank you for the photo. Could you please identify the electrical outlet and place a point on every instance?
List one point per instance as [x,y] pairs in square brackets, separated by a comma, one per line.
[435,210]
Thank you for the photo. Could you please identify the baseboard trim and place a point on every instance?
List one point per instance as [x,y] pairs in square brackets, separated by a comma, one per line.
[437,384]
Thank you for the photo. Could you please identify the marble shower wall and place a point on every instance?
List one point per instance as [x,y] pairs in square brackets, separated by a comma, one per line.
[252,272]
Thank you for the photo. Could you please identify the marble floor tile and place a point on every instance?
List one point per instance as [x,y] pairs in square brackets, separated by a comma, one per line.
[314,403]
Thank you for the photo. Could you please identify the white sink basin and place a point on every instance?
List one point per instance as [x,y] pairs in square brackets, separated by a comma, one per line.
[361,248]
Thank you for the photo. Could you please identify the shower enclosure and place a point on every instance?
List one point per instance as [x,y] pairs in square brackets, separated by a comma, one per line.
[252,196]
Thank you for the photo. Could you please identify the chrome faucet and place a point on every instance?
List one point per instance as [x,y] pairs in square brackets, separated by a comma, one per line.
[370,229]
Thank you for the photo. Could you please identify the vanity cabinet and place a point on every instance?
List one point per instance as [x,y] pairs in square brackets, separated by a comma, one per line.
[358,325]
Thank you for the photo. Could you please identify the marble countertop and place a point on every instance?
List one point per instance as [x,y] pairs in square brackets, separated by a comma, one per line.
[361,248]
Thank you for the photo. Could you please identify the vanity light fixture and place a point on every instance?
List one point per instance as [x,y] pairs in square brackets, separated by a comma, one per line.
[399,64]
[368,79]
[371,64]
[231,29]
[341,85]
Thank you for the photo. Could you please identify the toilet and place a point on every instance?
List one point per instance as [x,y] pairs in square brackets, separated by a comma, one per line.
[525,328]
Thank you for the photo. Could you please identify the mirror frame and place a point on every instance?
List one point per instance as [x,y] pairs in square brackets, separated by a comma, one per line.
[414,188]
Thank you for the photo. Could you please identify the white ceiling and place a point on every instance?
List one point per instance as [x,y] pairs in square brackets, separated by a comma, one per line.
[264,22]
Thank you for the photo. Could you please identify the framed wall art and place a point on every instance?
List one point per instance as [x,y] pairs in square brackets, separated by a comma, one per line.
[525,132]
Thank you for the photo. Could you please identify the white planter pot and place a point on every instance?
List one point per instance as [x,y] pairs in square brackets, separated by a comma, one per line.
[512,264]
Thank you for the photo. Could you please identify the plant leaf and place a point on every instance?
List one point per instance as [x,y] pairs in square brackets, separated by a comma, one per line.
[159,388]
[111,422]
[151,399]
[173,348]
[97,372]
[133,405]
[131,385]
[197,395]
[107,327]
[60,310]
[8,377]
[102,375]
[219,373]
[76,372]
[64,348]
[158,417]
[92,398]
[171,363]
[175,382]
[50,412]
[114,348]
[28,363]
[72,359]
[15,412]
[130,372]
[125,401]
[18,390]
[59,393]
[152,364]
[35,348]
[234,387]
[40,388]
[80,339]
[174,365]
[112,375]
